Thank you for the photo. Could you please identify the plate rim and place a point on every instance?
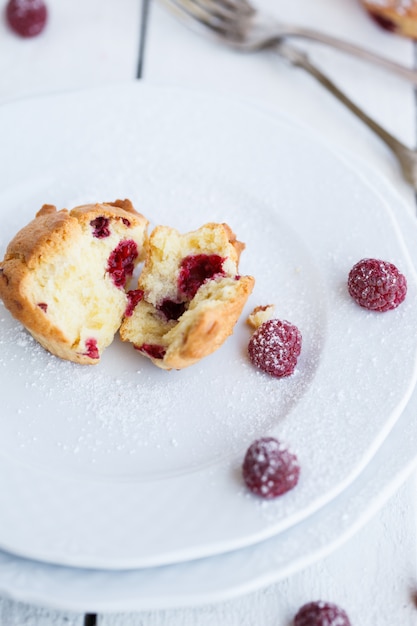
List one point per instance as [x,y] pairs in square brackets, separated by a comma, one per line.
[277,117]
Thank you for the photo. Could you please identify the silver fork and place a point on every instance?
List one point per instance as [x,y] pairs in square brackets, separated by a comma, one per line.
[215,19]
[239,25]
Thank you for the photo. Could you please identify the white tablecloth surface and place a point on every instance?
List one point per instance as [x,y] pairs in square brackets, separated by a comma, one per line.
[96,42]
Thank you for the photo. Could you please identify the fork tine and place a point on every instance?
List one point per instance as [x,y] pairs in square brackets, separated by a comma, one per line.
[216,10]
[194,11]
[236,8]
[231,11]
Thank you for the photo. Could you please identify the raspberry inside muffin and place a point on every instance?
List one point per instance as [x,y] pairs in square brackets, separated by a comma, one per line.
[64,276]
[192,298]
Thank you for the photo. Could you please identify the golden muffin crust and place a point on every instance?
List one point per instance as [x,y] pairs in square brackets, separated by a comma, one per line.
[56,276]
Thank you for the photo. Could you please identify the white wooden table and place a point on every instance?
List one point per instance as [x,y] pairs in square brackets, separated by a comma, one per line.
[95,42]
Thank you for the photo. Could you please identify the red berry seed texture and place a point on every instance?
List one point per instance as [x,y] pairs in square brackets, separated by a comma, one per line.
[377,285]
[120,265]
[27,18]
[321,614]
[275,347]
[196,269]
[269,469]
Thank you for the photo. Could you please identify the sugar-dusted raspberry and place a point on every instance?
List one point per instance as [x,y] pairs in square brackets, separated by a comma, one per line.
[275,347]
[100,226]
[27,18]
[321,614]
[121,262]
[377,285]
[269,468]
[196,269]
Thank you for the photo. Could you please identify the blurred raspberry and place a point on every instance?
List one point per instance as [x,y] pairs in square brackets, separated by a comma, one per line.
[27,18]
[321,614]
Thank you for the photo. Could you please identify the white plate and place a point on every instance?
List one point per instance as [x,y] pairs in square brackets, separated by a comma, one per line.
[229,575]
[125,466]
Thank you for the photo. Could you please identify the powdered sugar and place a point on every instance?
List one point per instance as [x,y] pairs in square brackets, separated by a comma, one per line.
[119,418]
[109,429]
[401,6]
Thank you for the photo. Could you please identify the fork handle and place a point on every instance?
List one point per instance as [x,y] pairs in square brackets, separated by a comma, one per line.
[357,51]
[404,154]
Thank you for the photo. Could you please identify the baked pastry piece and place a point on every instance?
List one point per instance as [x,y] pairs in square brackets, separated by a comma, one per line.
[397,16]
[64,275]
[189,295]
[260,315]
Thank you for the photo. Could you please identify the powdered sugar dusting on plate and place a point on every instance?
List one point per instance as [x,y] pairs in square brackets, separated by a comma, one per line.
[125,418]
[114,430]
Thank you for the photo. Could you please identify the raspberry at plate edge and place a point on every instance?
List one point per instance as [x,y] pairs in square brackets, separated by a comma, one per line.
[377,285]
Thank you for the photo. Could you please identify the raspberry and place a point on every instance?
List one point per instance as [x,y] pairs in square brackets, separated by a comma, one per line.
[91,349]
[275,347]
[377,285]
[100,226]
[27,18]
[121,262]
[172,310]
[269,469]
[196,270]
[321,614]
[133,297]
[152,350]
